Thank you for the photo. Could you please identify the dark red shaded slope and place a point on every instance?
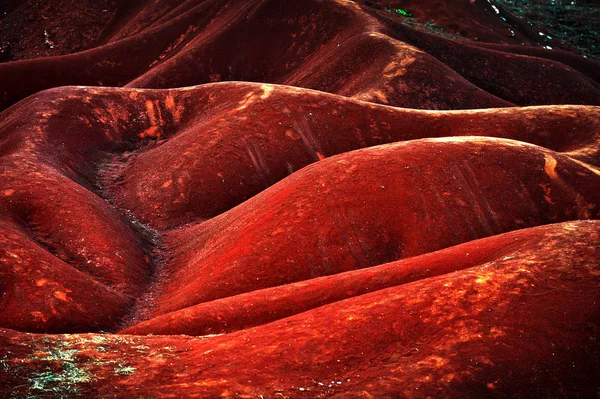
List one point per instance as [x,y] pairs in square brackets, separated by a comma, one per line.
[57,231]
[40,292]
[517,326]
[49,216]
[474,20]
[588,67]
[333,46]
[518,78]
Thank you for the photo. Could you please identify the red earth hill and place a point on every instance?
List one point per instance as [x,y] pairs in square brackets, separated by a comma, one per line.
[310,199]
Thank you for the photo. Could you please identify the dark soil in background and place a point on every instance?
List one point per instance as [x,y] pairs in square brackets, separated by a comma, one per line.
[576,23]
[565,24]
[50,30]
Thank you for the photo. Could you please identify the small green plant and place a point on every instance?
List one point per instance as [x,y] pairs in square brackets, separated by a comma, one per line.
[58,354]
[402,12]
[59,376]
[59,383]
[431,25]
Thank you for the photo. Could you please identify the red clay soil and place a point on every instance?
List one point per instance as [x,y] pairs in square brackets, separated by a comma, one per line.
[302,199]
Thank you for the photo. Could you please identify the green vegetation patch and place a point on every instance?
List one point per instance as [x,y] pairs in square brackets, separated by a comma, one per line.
[59,368]
[60,383]
[402,12]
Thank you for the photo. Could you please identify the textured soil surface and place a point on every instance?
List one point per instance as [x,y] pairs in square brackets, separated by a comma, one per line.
[298,199]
